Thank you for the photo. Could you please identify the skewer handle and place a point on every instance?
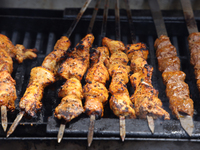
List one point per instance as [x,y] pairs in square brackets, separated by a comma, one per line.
[93,17]
[73,25]
[4,121]
[15,123]
[122,127]
[157,18]
[132,29]
[91,130]
[189,16]
[117,21]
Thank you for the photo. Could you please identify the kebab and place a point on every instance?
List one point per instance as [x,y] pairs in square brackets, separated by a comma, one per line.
[145,98]
[95,92]
[7,83]
[118,69]
[193,38]
[73,70]
[169,64]
[46,74]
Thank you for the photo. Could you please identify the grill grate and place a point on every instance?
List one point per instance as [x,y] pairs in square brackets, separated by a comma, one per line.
[43,32]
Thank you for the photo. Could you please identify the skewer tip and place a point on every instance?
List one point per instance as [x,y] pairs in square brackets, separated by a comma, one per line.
[91,130]
[150,123]
[122,128]
[15,123]
[4,121]
[61,132]
[187,124]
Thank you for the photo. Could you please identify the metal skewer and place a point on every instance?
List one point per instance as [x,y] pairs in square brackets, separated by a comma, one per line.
[15,123]
[192,28]
[122,124]
[93,16]
[103,33]
[4,121]
[104,23]
[91,130]
[21,114]
[78,17]
[117,21]
[71,29]
[186,121]
[134,41]
[189,16]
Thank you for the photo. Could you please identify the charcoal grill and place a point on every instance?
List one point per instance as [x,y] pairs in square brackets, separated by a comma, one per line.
[42,28]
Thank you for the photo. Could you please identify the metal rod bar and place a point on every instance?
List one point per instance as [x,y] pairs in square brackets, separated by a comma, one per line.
[78,17]
[132,29]
[104,23]
[157,18]
[117,21]
[93,16]
[189,16]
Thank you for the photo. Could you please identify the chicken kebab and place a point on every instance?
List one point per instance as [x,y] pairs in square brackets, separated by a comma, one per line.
[7,83]
[118,69]
[145,97]
[40,77]
[73,70]
[95,92]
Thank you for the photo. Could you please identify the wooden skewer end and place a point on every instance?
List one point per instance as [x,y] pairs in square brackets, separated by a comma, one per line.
[61,132]
[4,121]
[150,123]
[122,127]
[91,130]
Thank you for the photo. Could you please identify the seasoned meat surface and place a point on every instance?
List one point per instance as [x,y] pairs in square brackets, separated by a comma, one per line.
[176,89]
[18,52]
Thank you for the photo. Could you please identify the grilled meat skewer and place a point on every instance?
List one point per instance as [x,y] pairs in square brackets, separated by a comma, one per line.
[176,89]
[73,70]
[7,83]
[118,69]
[40,77]
[95,92]
[145,97]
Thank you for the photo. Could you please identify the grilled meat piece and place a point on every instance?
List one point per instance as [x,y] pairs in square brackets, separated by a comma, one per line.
[112,45]
[99,54]
[52,59]
[176,89]
[31,100]
[96,95]
[6,63]
[146,101]
[71,87]
[7,90]
[18,52]
[121,105]
[98,73]
[132,49]
[69,108]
